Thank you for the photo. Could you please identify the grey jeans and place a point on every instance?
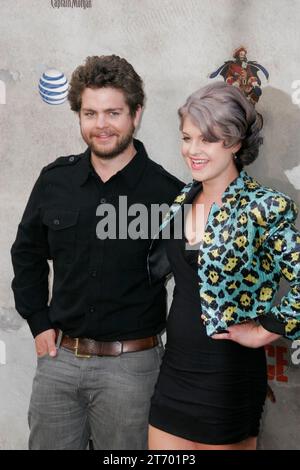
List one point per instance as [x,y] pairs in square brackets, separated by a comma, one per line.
[106,399]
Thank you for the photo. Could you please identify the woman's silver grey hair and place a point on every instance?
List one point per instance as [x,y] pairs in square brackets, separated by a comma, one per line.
[223,113]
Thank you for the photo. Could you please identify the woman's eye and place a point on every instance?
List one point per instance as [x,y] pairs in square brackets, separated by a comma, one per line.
[185,139]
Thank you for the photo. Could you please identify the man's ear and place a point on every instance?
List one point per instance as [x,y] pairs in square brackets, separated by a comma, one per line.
[137,116]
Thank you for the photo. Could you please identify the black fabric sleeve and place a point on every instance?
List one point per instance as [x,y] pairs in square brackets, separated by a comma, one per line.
[271,324]
[30,253]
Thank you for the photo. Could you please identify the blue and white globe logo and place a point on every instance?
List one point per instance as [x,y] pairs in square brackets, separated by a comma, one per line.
[53,87]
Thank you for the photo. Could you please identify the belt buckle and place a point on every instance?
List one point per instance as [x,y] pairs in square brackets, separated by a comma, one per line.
[86,356]
[120,348]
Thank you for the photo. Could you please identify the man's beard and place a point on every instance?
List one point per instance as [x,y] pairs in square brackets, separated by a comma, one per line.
[119,148]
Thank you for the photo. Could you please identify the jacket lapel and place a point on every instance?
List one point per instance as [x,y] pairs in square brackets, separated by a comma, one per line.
[157,262]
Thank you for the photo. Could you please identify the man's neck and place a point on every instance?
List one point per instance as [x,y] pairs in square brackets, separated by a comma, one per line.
[106,168]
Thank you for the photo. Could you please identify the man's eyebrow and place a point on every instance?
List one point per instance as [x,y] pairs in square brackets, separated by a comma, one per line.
[108,110]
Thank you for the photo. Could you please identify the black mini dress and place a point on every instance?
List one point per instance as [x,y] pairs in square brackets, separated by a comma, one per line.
[208,391]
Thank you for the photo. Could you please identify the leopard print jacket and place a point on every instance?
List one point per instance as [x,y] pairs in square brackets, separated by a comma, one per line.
[250,243]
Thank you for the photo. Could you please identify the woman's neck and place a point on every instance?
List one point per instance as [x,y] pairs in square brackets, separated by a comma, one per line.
[213,189]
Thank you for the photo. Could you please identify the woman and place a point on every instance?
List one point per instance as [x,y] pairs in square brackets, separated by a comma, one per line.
[227,266]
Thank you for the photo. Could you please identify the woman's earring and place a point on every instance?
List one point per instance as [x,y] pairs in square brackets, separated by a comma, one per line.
[234,156]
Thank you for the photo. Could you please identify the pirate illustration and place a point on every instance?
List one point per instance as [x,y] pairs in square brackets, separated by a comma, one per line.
[243,73]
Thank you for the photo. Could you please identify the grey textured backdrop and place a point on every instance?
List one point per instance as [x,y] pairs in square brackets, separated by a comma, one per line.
[174,45]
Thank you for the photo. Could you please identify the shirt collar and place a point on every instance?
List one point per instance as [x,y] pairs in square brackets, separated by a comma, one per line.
[130,174]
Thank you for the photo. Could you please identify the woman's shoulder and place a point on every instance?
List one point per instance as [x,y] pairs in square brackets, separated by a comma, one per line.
[269,202]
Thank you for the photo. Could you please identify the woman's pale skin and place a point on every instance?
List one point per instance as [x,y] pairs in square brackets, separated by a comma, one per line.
[213,165]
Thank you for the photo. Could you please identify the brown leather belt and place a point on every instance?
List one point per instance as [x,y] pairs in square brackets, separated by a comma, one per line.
[84,347]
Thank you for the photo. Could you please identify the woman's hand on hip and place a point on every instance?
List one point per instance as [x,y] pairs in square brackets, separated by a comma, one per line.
[248,334]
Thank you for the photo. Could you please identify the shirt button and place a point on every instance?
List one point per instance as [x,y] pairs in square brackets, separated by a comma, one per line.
[103,200]
[92,309]
[56,222]
[94,273]
[71,159]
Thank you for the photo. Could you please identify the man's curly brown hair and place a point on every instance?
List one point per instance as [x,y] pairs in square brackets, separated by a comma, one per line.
[107,71]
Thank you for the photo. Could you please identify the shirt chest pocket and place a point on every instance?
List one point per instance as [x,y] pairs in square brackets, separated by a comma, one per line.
[61,225]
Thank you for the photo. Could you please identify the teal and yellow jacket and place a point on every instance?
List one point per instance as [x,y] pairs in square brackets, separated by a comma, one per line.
[249,244]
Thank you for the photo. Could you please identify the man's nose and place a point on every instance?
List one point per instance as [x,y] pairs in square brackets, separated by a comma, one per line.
[101,121]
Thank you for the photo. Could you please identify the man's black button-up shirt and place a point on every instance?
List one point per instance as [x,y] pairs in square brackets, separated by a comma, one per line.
[100,286]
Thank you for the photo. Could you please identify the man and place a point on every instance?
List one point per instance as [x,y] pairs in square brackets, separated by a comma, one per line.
[98,381]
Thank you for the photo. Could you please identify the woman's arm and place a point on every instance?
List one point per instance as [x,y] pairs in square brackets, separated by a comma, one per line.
[284,248]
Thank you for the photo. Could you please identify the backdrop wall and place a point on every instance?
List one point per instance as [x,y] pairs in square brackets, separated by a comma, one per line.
[173,45]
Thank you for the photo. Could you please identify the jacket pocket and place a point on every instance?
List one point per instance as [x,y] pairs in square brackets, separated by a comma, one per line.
[61,225]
